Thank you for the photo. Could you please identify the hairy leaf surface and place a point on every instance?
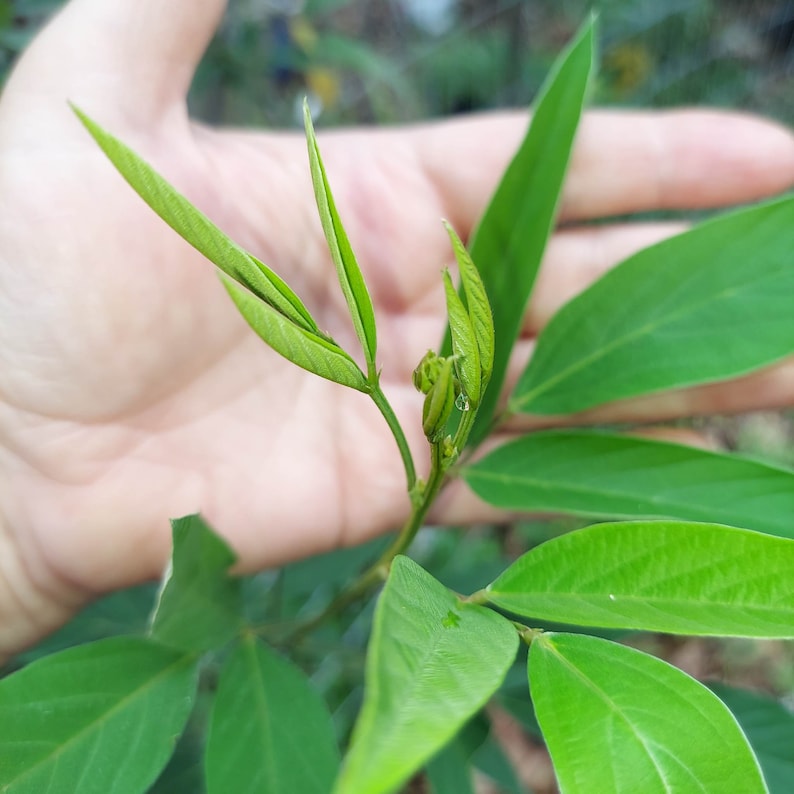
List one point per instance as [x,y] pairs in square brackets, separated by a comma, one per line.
[307,350]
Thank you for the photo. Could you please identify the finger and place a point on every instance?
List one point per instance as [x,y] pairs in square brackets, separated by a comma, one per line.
[138,56]
[624,162]
[575,258]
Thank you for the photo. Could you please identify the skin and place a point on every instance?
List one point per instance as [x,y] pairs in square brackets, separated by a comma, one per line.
[130,389]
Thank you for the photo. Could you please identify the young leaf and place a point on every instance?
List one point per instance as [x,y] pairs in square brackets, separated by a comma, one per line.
[608,475]
[477,304]
[97,718]
[200,605]
[355,290]
[708,305]
[668,576]
[464,344]
[269,729]
[769,727]
[314,353]
[432,662]
[509,243]
[197,229]
[618,720]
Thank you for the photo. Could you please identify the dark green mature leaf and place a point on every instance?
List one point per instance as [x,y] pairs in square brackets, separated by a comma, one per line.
[269,730]
[708,305]
[671,576]
[619,721]
[769,727]
[200,606]
[477,303]
[316,354]
[100,718]
[433,661]
[608,475]
[197,229]
[509,243]
[353,286]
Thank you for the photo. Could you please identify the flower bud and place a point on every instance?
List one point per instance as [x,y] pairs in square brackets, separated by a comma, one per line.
[439,403]
[427,372]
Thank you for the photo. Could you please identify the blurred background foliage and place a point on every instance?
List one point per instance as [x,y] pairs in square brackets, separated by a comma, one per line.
[402,60]
[390,61]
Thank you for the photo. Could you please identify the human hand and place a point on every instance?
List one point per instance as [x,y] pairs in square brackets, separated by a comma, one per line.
[132,391]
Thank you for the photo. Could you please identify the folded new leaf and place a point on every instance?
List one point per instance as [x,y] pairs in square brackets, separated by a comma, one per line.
[350,278]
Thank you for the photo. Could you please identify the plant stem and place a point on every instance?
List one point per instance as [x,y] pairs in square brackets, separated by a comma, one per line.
[379,398]
[379,570]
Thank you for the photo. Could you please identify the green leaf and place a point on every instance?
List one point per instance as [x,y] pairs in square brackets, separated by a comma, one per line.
[100,718]
[269,730]
[350,278]
[432,662]
[464,344]
[607,475]
[769,727]
[197,229]
[314,353]
[477,304]
[670,576]
[511,238]
[708,305]
[616,720]
[200,606]
[450,771]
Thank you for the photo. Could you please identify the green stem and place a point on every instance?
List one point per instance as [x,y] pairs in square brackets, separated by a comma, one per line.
[379,398]
[379,570]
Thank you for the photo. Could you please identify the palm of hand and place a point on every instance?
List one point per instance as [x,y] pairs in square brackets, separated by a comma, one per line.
[130,389]
[145,395]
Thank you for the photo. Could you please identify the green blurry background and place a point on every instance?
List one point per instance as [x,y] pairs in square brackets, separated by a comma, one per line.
[401,60]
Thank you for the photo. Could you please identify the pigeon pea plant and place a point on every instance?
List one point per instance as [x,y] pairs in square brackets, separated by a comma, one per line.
[708,305]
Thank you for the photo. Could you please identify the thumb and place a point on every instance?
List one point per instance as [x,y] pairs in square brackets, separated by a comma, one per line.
[138,56]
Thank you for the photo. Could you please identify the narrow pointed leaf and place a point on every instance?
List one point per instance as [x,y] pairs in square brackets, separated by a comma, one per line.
[617,720]
[97,719]
[432,662]
[464,343]
[200,605]
[769,727]
[352,281]
[510,240]
[269,729]
[609,475]
[314,353]
[477,304]
[197,229]
[710,304]
[670,576]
